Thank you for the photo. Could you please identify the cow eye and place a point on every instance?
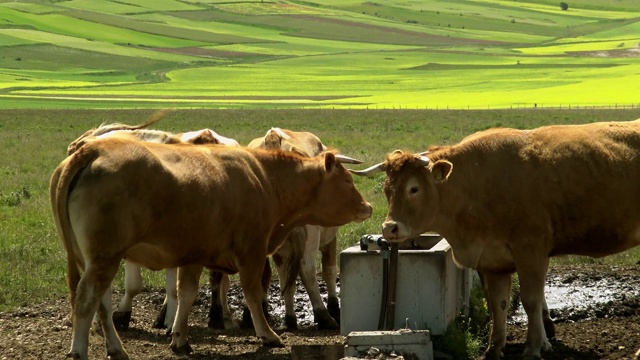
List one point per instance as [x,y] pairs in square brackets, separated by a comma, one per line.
[413,190]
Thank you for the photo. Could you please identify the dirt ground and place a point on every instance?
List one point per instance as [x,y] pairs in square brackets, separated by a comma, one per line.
[608,330]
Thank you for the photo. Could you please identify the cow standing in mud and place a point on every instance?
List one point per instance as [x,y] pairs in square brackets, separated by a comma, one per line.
[297,255]
[507,200]
[163,206]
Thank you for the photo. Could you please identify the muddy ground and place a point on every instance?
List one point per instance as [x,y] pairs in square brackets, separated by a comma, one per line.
[602,323]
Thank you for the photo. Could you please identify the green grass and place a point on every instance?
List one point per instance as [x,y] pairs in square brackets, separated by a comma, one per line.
[33,142]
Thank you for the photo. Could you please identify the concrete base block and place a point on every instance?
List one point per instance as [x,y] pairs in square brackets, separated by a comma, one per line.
[411,344]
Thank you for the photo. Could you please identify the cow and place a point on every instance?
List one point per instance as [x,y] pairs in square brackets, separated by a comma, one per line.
[133,271]
[507,200]
[187,206]
[297,255]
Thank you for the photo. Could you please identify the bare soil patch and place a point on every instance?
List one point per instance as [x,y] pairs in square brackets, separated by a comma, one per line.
[608,330]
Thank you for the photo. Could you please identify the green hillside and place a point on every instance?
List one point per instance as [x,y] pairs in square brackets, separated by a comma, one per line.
[321,53]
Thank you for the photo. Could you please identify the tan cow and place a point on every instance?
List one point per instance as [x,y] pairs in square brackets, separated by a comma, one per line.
[507,200]
[163,206]
[297,255]
[133,271]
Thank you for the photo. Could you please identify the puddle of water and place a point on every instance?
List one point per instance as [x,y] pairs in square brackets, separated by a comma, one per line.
[573,298]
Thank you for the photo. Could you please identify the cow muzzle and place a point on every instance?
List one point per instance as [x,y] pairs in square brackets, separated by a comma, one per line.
[365,212]
[394,231]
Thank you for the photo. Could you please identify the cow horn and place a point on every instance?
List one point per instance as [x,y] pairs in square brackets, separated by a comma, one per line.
[370,171]
[347,160]
[422,160]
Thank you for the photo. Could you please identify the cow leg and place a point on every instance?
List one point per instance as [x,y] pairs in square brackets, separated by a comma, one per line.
[330,275]
[113,344]
[90,291]
[219,313]
[215,309]
[132,287]
[253,294]
[497,288]
[532,272]
[308,273]
[288,294]
[247,322]
[224,300]
[188,281]
[549,328]
[167,313]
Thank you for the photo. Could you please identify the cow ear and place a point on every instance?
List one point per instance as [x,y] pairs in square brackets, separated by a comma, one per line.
[205,137]
[330,161]
[272,140]
[441,170]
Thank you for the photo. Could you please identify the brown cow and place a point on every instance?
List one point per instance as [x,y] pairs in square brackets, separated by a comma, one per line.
[297,255]
[163,206]
[133,275]
[507,200]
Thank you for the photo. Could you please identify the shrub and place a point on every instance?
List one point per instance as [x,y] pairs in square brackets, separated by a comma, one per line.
[564,5]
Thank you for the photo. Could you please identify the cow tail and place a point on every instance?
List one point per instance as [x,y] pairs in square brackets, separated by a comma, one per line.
[154,118]
[297,239]
[59,188]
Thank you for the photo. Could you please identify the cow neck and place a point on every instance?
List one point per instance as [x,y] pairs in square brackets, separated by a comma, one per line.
[294,181]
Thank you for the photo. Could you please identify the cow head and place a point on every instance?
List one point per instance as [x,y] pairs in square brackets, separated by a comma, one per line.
[410,188]
[338,202]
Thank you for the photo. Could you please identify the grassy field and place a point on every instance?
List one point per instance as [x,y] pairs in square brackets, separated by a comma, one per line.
[33,142]
[433,54]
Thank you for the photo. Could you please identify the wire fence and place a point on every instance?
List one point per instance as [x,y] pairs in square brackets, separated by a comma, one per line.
[496,107]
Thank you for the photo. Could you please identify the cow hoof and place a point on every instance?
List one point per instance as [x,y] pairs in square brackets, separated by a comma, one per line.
[328,324]
[549,328]
[159,323]
[119,355]
[121,319]
[324,320]
[493,353]
[182,350]
[74,356]
[291,322]
[275,343]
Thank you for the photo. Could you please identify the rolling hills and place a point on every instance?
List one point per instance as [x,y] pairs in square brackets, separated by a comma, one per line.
[462,54]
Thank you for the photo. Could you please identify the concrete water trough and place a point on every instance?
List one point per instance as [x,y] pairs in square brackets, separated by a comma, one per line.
[431,291]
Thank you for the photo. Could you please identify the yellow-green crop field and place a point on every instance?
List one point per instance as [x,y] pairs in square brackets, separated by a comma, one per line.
[432,54]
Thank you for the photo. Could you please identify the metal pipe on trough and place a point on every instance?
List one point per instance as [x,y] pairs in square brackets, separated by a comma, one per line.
[391,287]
